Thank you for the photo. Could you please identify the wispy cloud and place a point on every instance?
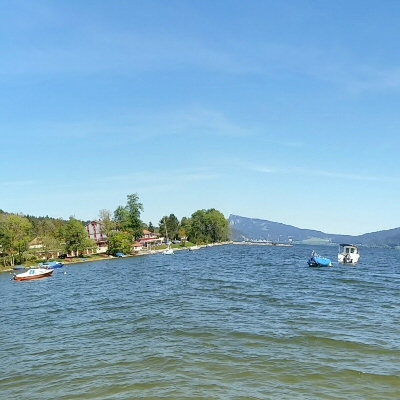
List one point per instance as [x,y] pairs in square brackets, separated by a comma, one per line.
[312,172]
[86,48]
[338,65]
[375,79]
[174,122]
[261,169]
[343,176]
[92,49]
[143,181]
[202,121]
[159,177]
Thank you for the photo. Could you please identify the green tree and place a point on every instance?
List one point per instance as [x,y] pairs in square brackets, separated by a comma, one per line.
[121,218]
[134,209]
[76,239]
[217,226]
[185,224]
[119,243]
[59,225]
[107,224]
[208,226]
[128,218]
[14,236]
[47,232]
[151,228]
[197,227]
[51,245]
[170,225]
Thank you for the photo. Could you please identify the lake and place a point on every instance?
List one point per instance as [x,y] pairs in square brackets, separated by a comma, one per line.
[226,322]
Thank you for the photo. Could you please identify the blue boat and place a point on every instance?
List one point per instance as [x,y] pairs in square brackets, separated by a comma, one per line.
[318,261]
[52,264]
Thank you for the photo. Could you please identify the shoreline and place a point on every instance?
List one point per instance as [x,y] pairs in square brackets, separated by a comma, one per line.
[271,244]
[140,253]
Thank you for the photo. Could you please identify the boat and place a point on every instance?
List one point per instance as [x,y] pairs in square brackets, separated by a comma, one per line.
[193,248]
[18,267]
[348,254]
[51,264]
[34,273]
[168,250]
[317,261]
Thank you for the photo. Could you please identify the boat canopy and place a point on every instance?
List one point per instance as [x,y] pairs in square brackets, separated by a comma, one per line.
[348,249]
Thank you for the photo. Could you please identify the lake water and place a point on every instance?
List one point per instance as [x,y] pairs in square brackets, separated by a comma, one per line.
[227,322]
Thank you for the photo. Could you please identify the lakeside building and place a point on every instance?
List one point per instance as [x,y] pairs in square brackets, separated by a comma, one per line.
[95,233]
[147,241]
[150,239]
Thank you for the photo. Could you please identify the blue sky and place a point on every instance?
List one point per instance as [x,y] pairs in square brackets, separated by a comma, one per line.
[280,110]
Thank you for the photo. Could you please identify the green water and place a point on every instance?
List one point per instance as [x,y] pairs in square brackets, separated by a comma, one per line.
[227,322]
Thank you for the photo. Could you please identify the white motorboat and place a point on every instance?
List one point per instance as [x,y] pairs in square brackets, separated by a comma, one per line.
[34,273]
[348,254]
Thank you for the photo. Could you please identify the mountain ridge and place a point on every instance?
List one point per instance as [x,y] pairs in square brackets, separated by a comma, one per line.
[254,229]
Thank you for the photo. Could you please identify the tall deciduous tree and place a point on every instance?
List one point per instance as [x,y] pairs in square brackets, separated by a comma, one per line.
[47,231]
[128,218]
[14,236]
[119,243]
[151,227]
[217,226]
[121,218]
[208,226]
[76,239]
[169,225]
[106,222]
[134,209]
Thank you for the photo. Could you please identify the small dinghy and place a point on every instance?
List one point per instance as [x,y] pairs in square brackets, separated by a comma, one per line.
[318,261]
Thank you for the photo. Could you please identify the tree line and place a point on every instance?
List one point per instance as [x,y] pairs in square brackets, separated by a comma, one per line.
[122,227]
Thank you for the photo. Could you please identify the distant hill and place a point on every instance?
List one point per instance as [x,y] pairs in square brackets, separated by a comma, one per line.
[251,229]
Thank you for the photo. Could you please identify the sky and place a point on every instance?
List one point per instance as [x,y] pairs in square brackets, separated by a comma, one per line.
[285,111]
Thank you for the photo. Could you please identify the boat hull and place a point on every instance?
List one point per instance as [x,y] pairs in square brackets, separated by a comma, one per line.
[319,262]
[33,274]
[348,259]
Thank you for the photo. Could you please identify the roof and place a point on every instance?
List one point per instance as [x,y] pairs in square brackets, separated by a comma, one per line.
[37,240]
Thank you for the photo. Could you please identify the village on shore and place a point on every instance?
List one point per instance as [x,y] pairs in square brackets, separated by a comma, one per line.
[26,241]
[69,261]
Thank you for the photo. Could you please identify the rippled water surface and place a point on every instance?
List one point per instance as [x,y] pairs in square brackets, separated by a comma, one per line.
[227,322]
